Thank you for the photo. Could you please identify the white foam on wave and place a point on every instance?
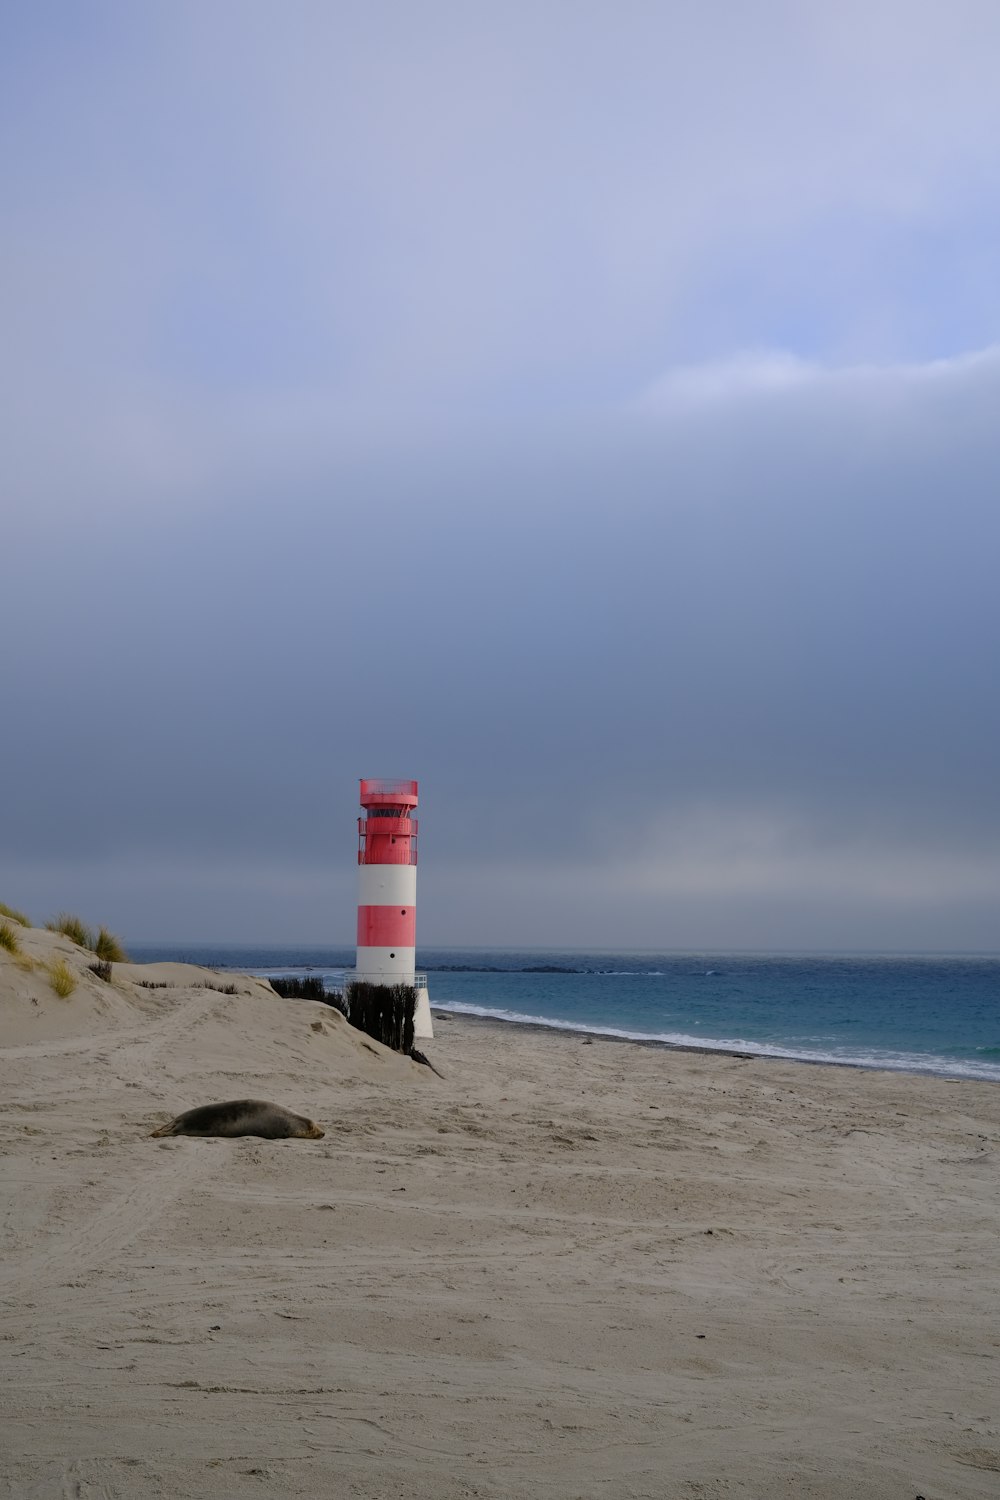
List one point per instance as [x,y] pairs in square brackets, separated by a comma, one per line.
[897,1062]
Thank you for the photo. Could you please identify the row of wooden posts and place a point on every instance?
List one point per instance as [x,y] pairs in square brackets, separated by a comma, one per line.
[382,1011]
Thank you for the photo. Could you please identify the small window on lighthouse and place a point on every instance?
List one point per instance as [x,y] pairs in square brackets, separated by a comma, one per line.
[392,955]
[403,912]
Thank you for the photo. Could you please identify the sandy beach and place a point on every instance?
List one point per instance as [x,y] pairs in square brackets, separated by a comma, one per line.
[568,1268]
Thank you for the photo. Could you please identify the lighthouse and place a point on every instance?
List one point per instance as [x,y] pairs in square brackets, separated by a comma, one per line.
[387,892]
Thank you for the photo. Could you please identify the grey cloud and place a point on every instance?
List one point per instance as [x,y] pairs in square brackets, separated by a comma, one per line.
[779,595]
[379,401]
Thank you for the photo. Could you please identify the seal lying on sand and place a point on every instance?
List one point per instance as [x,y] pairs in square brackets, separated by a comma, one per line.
[243,1117]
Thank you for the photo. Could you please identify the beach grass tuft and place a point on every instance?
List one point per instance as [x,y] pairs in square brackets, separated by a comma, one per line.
[15,916]
[108,947]
[72,928]
[62,978]
[9,938]
[104,943]
[102,969]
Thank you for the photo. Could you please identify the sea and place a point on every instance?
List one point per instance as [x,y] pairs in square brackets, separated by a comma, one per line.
[918,1014]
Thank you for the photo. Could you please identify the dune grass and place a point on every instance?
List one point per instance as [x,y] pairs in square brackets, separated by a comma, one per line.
[62,978]
[103,943]
[16,916]
[11,943]
[108,948]
[72,928]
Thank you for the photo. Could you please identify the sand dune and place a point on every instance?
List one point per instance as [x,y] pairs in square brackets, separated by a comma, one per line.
[564,1270]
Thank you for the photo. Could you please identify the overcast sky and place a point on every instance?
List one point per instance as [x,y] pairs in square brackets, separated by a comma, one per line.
[589,409]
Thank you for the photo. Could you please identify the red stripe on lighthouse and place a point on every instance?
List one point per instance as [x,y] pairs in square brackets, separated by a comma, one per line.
[387,927]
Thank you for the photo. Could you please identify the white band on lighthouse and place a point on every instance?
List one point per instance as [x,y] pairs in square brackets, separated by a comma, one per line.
[387,885]
[386,965]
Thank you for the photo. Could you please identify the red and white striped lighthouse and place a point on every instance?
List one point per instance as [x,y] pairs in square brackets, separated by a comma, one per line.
[387,892]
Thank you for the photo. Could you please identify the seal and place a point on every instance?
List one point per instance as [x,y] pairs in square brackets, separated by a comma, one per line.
[244,1117]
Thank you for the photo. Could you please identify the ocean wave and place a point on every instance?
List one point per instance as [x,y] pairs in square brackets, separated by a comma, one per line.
[622,973]
[545,969]
[897,1062]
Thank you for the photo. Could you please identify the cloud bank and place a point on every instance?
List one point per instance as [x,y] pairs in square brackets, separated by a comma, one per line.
[589,413]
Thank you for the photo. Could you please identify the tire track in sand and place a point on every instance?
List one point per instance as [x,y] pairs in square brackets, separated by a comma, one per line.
[130,1054]
[150,1034]
[85,1245]
[89,1244]
[134,1055]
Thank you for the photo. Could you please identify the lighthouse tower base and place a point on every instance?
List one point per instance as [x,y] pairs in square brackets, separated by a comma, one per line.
[423,1026]
[369,973]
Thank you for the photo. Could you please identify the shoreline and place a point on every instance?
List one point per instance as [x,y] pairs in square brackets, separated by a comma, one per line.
[827,1010]
[564,1028]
